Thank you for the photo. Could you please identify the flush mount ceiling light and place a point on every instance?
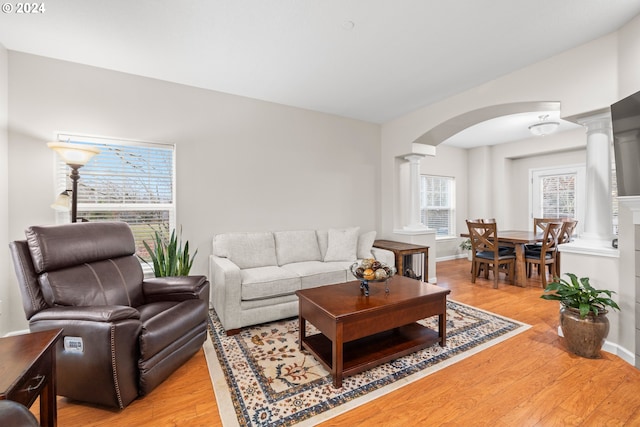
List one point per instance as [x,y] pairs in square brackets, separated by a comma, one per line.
[543,127]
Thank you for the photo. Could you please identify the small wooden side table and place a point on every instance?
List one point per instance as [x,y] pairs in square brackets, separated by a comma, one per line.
[400,250]
[28,370]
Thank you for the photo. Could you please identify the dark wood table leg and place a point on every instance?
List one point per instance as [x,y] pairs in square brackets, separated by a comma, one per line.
[302,333]
[442,327]
[48,404]
[337,357]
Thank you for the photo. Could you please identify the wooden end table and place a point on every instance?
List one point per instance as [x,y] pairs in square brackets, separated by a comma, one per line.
[359,332]
[28,370]
[400,250]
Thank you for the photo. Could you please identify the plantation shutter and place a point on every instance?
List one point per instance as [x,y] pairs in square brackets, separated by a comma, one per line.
[127,181]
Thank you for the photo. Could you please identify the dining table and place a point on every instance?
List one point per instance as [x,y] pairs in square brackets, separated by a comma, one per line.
[517,238]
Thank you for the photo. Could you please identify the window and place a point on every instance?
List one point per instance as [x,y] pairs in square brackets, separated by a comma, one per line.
[127,181]
[558,196]
[559,193]
[437,204]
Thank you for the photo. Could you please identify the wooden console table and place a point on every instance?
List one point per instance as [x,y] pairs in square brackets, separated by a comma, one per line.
[400,250]
[28,370]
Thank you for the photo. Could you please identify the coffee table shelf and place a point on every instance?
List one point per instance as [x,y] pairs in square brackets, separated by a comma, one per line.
[367,352]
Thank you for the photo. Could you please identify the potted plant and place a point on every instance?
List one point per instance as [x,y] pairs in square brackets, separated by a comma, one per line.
[465,245]
[169,258]
[583,313]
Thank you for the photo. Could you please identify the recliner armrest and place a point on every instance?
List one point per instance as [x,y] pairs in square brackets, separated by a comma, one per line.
[175,288]
[103,313]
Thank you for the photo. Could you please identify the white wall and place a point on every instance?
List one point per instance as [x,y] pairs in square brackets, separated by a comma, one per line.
[629,58]
[5,270]
[582,79]
[242,164]
[585,79]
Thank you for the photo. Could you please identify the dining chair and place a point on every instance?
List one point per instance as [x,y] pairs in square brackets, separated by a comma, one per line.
[546,256]
[486,254]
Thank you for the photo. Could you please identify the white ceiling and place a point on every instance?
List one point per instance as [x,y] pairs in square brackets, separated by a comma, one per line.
[373,60]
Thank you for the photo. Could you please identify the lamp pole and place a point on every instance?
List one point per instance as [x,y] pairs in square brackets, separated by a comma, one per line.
[74,191]
[75,156]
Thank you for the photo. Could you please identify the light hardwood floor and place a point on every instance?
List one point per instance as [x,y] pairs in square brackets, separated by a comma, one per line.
[528,380]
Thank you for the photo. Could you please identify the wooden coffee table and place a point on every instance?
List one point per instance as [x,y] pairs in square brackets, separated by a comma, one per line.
[359,332]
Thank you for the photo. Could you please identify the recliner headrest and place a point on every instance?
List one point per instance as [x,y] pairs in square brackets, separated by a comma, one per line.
[58,246]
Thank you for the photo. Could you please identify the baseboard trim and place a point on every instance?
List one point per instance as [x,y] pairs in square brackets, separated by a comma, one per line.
[614,349]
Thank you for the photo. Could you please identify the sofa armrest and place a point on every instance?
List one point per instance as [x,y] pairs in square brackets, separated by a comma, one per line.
[384,256]
[176,288]
[226,291]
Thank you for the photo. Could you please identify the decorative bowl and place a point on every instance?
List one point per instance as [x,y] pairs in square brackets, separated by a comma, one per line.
[370,270]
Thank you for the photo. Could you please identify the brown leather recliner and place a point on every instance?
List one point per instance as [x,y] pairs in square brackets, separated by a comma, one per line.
[123,334]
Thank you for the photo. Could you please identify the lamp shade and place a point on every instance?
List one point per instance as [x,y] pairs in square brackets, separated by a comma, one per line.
[63,201]
[73,154]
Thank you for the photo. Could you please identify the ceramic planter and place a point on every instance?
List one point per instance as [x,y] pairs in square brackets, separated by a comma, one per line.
[584,337]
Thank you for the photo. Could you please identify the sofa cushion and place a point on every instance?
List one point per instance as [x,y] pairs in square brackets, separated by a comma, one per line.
[365,243]
[342,244]
[251,250]
[296,246]
[318,273]
[323,242]
[266,282]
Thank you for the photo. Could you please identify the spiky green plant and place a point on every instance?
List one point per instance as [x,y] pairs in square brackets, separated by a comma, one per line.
[170,258]
[579,294]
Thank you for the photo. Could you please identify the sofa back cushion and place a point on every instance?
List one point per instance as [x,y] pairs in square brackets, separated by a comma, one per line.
[296,246]
[365,243]
[247,250]
[342,244]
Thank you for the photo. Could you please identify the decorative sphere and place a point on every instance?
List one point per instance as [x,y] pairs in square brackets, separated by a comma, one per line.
[381,274]
[369,274]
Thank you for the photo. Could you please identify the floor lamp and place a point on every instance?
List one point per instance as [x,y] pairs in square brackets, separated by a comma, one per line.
[75,156]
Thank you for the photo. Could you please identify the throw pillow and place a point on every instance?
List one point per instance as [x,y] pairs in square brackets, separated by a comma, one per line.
[342,244]
[365,243]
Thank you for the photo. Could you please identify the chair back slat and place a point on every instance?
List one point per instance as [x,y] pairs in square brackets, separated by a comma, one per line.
[483,236]
[551,237]
[568,228]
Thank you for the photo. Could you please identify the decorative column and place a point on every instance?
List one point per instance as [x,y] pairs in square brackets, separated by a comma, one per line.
[598,223]
[415,222]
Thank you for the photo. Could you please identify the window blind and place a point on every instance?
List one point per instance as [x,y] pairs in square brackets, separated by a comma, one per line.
[127,181]
[437,204]
[558,196]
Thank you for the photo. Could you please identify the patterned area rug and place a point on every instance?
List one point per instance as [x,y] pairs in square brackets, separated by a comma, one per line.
[261,378]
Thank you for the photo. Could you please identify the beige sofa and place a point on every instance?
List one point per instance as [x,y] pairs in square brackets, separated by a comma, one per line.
[254,275]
